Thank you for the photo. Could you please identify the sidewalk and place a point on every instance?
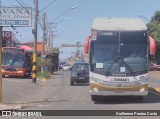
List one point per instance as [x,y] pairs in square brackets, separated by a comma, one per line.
[22,93]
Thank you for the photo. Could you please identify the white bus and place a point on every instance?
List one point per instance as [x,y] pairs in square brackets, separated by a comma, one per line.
[118,50]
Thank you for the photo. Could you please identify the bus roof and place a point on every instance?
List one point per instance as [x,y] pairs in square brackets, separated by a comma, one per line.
[118,24]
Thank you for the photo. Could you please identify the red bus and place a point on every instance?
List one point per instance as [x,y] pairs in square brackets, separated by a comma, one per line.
[16,61]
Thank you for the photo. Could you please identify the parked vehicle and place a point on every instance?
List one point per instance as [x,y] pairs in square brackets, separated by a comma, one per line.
[79,73]
[65,67]
[154,67]
[61,65]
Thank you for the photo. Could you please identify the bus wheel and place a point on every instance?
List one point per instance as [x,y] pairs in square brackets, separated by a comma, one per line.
[140,97]
[71,83]
[94,97]
[3,76]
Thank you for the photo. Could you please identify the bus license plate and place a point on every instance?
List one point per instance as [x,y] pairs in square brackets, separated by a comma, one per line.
[81,77]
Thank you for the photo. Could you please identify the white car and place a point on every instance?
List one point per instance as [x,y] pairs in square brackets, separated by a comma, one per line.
[66,67]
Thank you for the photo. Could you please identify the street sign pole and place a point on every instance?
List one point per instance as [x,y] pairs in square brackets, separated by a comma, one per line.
[1,64]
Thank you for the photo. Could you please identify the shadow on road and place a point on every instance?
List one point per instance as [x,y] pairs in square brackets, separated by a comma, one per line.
[150,98]
[81,84]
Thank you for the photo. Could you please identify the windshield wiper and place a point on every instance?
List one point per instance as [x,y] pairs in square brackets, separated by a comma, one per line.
[120,59]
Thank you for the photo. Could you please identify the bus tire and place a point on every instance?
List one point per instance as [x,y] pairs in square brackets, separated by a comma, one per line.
[140,98]
[3,76]
[94,98]
[71,83]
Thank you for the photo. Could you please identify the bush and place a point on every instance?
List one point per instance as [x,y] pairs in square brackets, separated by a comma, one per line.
[45,75]
[46,63]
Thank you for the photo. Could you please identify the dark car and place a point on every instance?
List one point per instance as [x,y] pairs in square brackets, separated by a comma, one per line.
[154,67]
[79,73]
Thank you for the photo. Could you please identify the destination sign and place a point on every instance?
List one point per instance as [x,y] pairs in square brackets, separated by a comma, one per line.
[108,33]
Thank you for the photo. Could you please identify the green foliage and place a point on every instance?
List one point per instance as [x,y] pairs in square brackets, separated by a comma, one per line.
[154,26]
[45,62]
[45,75]
[78,50]
[56,50]
[154,31]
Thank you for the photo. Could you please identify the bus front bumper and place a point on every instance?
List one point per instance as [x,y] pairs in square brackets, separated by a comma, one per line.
[13,73]
[97,89]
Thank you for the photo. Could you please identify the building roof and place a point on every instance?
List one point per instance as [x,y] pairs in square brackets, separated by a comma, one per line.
[118,24]
[32,42]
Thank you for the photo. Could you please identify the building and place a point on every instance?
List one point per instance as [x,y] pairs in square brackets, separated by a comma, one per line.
[39,45]
[9,39]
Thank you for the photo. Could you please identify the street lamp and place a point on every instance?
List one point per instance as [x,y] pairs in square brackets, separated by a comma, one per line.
[50,44]
[140,15]
[66,18]
[72,8]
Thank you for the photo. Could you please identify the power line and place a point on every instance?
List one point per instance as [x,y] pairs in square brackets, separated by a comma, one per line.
[23,3]
[31,14]
[47,6]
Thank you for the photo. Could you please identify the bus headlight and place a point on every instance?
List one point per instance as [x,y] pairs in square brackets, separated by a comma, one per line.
[20,71]
[2,70]
[142,79]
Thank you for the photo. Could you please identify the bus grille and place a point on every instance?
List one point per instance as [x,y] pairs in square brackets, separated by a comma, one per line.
[10,69]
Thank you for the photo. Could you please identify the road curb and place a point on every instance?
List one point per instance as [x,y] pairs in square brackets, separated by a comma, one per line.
[9,107]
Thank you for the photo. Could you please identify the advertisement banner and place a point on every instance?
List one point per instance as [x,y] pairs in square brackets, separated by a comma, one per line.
[16,16]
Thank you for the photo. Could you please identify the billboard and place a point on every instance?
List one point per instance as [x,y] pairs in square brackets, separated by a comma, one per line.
[16,16]
[72,45]
[6,35]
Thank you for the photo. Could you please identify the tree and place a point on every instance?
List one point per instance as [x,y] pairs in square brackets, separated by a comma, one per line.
[56,50]
[154,27]
[78,50]
[154,31]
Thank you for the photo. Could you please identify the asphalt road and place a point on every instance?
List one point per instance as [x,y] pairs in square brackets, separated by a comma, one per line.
[57,94]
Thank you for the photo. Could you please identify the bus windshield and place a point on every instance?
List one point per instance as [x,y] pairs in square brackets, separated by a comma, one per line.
[119,52]
[14,58]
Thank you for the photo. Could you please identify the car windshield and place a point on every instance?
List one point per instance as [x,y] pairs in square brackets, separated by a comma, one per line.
[66,65]
[81,66]
[62,63]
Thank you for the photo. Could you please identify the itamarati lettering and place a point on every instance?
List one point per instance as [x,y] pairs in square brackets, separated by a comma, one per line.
[11,11]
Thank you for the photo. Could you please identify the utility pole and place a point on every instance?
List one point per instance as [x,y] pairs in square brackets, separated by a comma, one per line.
[53,31]
[44,32]
[49,37]
[43,42]
[0,64]
[0,61]
[35,43]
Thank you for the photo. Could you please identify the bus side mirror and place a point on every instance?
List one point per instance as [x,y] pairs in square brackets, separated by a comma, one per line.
[152,46]
[86,44]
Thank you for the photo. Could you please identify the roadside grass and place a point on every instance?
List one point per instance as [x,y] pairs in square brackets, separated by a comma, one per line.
[45,75]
